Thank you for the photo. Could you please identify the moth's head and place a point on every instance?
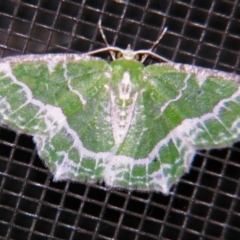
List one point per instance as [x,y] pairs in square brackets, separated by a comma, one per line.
[127,54]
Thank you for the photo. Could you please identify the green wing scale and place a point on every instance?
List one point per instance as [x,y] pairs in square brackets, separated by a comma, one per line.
[121,123]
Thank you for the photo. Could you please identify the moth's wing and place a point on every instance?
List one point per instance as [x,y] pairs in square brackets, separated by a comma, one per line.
[207,110]
[223,123]
[60,100]
[194,108]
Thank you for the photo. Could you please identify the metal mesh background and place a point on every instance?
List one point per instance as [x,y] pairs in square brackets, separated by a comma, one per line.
[205,204]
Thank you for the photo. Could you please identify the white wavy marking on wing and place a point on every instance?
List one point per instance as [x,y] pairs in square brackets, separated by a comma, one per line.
[165,105]
[68,79]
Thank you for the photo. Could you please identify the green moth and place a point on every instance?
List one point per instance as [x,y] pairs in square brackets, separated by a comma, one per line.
[129,125]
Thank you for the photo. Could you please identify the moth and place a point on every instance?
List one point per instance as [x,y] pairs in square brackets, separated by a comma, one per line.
[120,122]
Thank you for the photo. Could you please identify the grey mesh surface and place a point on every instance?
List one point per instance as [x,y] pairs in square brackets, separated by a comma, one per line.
[205,204]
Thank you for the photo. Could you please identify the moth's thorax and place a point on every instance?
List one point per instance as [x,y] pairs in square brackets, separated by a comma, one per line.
[120,66]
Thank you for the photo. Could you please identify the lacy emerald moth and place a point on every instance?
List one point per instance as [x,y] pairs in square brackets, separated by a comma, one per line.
[129,125]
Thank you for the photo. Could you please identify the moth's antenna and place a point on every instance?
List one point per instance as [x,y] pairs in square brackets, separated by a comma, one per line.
[104,39]
[154,44]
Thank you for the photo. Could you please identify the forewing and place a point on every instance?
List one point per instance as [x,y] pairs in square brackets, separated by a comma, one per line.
[61,100]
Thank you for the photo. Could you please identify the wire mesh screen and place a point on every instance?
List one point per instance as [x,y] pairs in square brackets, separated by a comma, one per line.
[205,204]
